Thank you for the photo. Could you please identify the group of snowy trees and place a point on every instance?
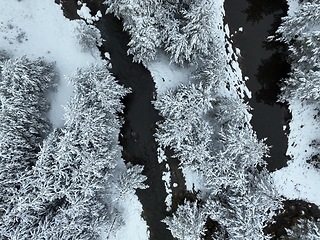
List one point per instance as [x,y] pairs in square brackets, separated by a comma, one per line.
[61,184]
[210,135]
[23,85]
[184,29]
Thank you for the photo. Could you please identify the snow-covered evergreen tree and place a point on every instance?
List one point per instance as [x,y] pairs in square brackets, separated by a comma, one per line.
[85,157]
[128,182]
[187,223]
[304,20]
[211,136]
[193,37]
[65,194]
[301,32]
[141,23]
[304,229]
[245,215]
[184,29]
[88,36]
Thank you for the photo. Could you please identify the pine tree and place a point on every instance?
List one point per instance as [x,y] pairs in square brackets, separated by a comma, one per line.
[303,229]
[130,179]
[245,215]
[187,223]
[294,26]
[140,21]
[88,36]
[194,37]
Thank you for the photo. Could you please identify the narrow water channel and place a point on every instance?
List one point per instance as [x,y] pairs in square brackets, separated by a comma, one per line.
[140,118]
[265,65]
[136,138]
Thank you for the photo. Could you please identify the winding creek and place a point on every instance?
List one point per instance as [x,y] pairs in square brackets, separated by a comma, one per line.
[263,63]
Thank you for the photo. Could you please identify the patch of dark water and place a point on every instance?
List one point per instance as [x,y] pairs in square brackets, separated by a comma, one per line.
[265,64]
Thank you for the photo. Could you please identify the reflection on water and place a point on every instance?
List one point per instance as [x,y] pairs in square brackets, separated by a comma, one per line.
[269,74]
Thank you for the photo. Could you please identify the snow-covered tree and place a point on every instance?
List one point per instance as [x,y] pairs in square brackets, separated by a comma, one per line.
[232,111]
[145,39]
[244,216]
[140,21]
[302,85]
[187,223]
[130,179]
[64,195]
[183,129]
[86,155]
[304,229]
[184,29]
[88,36]
[304,20]
[194,36]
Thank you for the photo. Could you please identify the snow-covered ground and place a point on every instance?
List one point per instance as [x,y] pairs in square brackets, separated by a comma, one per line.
[38,29]
[300,180]
[166,75]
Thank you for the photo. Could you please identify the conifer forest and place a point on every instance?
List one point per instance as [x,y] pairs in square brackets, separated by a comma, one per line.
[159,119]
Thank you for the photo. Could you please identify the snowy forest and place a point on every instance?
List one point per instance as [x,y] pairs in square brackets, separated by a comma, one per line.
[72,181]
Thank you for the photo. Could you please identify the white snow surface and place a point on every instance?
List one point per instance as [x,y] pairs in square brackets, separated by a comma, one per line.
[293,6]
[134,227]
[300,180]
[168,75]
[38,29]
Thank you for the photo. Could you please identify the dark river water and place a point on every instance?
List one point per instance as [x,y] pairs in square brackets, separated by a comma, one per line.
[265,65]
